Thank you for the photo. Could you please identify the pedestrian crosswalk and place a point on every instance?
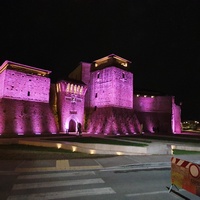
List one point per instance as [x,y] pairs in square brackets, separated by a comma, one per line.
[58,185]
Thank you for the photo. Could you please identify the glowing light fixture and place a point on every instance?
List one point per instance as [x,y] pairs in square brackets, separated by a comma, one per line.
[59,145]
[119,153]
[74,148]
[92,151]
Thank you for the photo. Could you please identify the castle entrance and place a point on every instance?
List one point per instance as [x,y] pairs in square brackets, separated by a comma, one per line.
[72,126]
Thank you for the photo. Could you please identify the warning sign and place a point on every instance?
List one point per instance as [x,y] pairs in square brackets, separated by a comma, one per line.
[185,175]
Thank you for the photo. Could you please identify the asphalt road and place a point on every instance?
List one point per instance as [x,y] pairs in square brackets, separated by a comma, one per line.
[113,184]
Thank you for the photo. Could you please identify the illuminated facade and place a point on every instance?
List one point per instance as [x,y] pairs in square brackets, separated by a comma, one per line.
[112,106]
[24,100]
[69,101]
[99,95]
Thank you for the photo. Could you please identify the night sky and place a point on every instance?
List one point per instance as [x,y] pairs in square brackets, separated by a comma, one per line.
[160,37]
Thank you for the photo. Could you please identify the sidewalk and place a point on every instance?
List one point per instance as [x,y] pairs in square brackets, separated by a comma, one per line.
[138,162]
[120,162]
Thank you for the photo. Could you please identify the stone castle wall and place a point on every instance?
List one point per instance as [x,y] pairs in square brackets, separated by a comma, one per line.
[111,87]
[112,120]
[26,117]
[70,105]
[159,104]
[2,78]
[18,85]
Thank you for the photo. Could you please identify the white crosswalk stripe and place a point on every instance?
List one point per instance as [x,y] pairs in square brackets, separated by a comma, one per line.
[64,194]
[57,183]
[53,185]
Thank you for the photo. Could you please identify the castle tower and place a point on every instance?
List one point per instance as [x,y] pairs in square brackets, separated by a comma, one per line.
[24,100]
[111,83]
[70,103]
[111,97]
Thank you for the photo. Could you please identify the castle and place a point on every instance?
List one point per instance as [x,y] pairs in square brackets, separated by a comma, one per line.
[99,95]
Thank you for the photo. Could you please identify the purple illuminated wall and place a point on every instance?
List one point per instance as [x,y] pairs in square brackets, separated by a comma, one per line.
[2,78]
[26,117]
[176,118]
[111,87]
[99,95]
[111,100]
[157,113]
[24,104]
[70,101]
[111,105]
[19,85]
[113,120]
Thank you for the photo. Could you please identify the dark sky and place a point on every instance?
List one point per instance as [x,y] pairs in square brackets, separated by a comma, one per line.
[160,37]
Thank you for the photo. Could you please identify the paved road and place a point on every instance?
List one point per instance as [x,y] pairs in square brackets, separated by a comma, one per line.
[17,176]
[14,181]
[89,184]
[142,161]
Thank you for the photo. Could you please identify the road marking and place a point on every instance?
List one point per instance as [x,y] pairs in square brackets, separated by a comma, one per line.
[146,193]
[56,183]
[64,194]
[58,174]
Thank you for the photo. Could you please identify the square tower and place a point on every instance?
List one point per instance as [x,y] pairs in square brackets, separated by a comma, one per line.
[70,96]
[111,97]
[111,83]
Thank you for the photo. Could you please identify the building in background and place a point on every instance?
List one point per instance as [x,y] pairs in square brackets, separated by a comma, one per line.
[113,107]
[24,100]
[68,101]
[99,96]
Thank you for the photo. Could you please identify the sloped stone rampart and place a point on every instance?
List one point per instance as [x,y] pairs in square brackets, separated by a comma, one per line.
[113,120]
[26,117]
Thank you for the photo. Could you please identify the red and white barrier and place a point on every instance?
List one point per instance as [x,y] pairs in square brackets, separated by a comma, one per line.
[185,175]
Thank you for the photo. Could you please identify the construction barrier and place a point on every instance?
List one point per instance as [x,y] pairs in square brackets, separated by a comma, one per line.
[185,175]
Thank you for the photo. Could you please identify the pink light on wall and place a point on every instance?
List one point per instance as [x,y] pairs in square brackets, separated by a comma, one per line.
[22,86]
[25,117]
[70,103]
[111,120]
[109,88]
[18,122]
[176,117]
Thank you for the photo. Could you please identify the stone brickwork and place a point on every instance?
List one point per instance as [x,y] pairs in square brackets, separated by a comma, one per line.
[159,104]
[22,86]
[176,118]
[97,95]
[112,120]
[2,78]
[24,100]
[158,113]
[111,87]
[26,117]
[70,102]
